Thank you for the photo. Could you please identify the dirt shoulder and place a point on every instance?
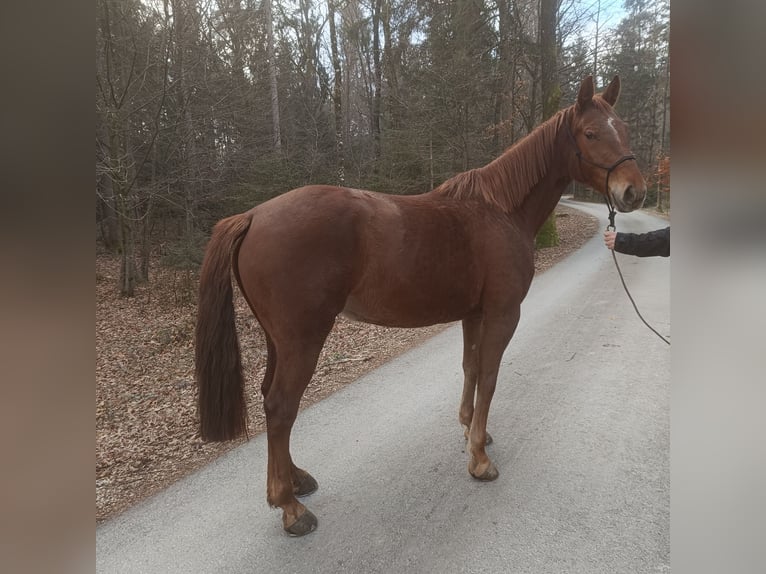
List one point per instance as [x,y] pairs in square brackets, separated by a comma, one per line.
[146,435]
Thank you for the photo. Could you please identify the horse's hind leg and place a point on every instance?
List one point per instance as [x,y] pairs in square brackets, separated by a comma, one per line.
[303,483]
[295,365]
[271,365]
[471,339]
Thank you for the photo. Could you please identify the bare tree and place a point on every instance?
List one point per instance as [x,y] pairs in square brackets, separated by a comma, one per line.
[336,94]
[378,75]
[550,92]
[127,62]
[272,63]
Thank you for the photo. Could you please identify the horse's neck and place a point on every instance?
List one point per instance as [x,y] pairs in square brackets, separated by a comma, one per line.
[541,201]
[526,181]
[539,198]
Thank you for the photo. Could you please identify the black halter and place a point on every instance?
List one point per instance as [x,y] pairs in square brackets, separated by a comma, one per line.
[609,169]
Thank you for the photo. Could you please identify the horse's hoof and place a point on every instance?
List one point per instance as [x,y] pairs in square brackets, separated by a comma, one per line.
[306,523]
[307,485]
[490,474]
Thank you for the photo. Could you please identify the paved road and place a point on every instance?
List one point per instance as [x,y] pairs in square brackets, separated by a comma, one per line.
[580,421]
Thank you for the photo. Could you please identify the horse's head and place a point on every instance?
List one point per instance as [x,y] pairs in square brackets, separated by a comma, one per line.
[602,150]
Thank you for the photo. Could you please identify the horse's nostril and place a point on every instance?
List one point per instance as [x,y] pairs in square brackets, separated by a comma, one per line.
[629,195]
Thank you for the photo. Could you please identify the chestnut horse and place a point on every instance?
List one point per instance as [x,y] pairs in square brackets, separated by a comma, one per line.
[461,252]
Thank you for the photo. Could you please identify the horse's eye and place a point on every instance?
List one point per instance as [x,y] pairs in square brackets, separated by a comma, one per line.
[590,135]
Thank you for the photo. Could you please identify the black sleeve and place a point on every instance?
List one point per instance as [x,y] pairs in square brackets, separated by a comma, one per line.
[649,244]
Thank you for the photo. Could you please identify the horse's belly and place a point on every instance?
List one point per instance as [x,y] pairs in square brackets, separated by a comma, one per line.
[405,311]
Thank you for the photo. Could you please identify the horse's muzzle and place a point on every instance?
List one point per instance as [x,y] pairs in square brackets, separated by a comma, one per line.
[630,199]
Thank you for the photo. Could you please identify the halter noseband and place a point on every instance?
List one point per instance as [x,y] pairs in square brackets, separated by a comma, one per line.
[609,169]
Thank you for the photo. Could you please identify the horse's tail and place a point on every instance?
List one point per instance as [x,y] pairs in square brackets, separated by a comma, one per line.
[218,366]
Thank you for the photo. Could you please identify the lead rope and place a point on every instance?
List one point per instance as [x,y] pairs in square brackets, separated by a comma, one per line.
[611,225]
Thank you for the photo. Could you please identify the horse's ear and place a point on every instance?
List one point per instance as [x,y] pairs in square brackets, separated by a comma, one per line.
[612,91]
[585,95]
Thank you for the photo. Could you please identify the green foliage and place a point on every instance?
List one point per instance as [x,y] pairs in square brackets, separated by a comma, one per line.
[270,175]
[548,235]
[185,253]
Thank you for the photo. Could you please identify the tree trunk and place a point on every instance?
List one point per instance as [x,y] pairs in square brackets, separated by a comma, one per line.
[189,170]
[550,93]
[595,43]
[336,95]
[391,63]
[378,79]
[276,132]
[505,78]
[124,208]
[108,214]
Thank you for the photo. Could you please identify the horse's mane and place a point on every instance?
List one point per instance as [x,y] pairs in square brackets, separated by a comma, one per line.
[506,181]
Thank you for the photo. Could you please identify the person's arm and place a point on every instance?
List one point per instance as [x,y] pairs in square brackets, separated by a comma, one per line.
[654,243]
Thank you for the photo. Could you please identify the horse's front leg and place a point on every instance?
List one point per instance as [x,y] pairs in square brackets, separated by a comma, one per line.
[496,333]
[471,340]
[471,335]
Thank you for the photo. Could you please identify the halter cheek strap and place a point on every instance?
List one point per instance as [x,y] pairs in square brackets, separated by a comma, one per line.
[609,169]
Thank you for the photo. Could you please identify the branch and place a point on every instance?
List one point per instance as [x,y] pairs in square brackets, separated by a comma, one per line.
[130,75]
[346,360]
[107,32]
[159,108]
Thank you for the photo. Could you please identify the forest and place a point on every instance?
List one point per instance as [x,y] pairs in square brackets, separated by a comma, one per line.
[205,108]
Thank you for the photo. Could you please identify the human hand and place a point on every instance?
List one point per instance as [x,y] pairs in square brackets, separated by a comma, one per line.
[609,237]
